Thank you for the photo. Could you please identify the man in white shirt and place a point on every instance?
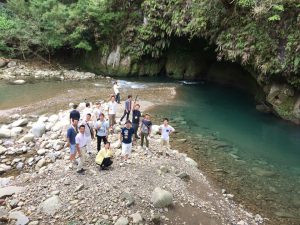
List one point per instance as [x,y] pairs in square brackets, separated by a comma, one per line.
[87,110]
[165,130]
[97,111]
[81,141]
[117,92]
[88,132]
[112,110]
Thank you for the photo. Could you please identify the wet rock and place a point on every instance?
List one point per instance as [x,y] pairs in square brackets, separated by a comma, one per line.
[122,221]
[191,162]
[262,172]
[20,123]
[136,218]
[161,198]
[20,217]
[38,129]
[10,190]
[51,205]
[19,82]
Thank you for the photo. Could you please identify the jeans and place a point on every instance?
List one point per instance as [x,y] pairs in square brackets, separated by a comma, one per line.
[135,126]
[118,98]
[144,135]
[99,139]
[125,114]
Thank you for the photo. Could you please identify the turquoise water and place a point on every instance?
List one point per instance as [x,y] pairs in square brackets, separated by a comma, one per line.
[260,153]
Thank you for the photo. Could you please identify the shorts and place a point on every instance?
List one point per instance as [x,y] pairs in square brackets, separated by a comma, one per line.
[126,148]
[72,149]
[165,143]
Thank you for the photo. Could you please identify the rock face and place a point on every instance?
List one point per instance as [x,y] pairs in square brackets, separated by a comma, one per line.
[51,205]
[161,198]
[38,129]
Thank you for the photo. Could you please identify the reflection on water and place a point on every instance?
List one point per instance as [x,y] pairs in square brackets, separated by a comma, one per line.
[256,156]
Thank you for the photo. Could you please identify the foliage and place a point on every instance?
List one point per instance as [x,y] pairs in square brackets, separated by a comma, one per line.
[262,35]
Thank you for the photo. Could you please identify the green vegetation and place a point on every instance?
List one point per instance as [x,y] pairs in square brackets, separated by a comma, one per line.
[261,35]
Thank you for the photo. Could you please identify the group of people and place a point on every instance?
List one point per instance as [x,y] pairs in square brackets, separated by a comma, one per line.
[92,124]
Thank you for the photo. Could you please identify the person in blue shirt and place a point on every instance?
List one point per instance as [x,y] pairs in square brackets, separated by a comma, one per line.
[128,107]
[71,134]
[126,139]
[74,114]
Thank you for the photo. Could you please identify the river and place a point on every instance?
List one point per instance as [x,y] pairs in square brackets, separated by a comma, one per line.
[252,155]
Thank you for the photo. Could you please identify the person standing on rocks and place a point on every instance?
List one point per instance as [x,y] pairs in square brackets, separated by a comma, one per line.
[101,127]
[112,110]
[74,114]
[81,141]
[71,135]
[89,132]
[104,157]
[87,110]
[145,128]
[165,130]
[126,140]
[128,107]
[117,92]
[97,111]
[136,115]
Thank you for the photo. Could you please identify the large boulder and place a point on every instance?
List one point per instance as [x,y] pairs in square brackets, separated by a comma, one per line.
[3,63]
[51,205]
[161,198]
[155,129]
[38,129]
[12,64]
[20,122]
[10,190]
[16,130]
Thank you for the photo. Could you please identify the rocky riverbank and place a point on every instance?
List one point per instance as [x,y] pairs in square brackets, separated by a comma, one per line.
[149,189]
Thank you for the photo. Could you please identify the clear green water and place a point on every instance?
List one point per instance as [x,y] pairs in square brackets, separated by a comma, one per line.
[261,155]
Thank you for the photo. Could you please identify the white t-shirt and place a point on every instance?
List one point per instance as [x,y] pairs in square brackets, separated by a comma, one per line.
[112,108]
[81,140]
[87,130]
[116,88]
[96,113]
[165,131]
[85,112]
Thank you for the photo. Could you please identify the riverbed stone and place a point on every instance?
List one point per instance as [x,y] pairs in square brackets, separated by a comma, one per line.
[11,64]
[5,133]
[262,172]
[28,137]
[20,122]
[161,198]
[17,130]
[40,163]
[10,190]
[20,217]
[51,205]
[38,129]
[191,162]
[4,168]
[122,221]
[136,218]
[2,150]
[19,82]
[41,151]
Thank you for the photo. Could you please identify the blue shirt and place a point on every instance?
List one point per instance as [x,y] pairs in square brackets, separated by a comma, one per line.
[102,128]
[71,134]
[127,135]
